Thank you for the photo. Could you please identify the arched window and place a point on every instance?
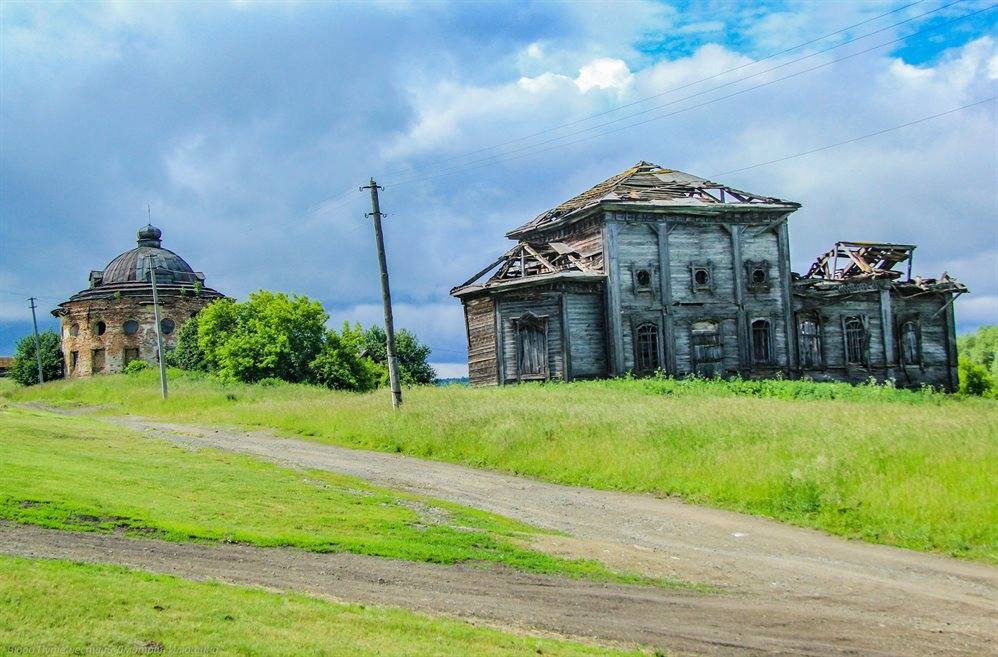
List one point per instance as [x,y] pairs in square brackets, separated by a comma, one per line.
[810,342]
[761,351]
[100,328]
[910,352]
[646,342]
[855,335]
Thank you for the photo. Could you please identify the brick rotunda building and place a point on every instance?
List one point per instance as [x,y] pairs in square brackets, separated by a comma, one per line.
[111,323]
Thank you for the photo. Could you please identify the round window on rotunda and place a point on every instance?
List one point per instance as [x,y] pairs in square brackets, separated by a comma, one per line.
[130,327]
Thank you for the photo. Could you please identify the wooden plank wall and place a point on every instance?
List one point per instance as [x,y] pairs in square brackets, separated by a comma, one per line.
[732,302]
[480,323]
[936,365]
[587,333]
[542,305]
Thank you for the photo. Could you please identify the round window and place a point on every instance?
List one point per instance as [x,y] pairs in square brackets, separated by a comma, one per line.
[100,328]
[758,276]
[74,330]
[701,276]
[644,277]
[131,327]
[167,325]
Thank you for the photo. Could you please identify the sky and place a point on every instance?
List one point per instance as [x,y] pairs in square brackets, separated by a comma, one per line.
[246,128]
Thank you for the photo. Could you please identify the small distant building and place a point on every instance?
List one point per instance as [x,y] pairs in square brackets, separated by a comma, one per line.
[6,364]
[656,269]
[111,323]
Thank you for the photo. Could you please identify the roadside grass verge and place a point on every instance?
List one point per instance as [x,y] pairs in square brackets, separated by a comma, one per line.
[907,468]
[59,607]
[80,474]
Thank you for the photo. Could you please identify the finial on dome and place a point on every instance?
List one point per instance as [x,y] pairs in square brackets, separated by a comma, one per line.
[150,236]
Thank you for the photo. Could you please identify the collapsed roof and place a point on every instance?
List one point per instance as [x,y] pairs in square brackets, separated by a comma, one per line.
[649,184]
[537,259]
[865,261]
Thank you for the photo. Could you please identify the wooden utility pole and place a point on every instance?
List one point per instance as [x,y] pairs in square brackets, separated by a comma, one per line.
[38,344]
[159,329]
[386,296]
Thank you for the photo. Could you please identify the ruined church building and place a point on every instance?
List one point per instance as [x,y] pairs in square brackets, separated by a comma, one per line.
[655,269]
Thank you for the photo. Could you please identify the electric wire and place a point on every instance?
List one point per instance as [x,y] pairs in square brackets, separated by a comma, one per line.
[687,84]
[513,156]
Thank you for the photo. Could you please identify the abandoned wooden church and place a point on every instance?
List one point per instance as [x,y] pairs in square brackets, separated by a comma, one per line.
[655,269]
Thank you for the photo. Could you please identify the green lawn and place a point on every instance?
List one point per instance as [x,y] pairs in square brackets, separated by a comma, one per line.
[79,473]
[913,469]
[58,608]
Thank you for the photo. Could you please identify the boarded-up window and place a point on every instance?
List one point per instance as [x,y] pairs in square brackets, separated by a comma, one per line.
[911,351]
[855,337]
[706,341]
[646,343]
[531,346]
[810,342]
[131,354]
[97,361]
[761,336]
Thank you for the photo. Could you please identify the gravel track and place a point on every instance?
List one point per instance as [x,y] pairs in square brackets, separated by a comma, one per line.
[786,590]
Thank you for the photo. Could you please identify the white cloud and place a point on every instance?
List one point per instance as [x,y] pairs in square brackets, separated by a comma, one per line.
[603,73]
[244,153]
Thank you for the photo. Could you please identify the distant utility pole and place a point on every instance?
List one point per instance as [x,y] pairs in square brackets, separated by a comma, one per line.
[38,345]
[386,295]
[159,329]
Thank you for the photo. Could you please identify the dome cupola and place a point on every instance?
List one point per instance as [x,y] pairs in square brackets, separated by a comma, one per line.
[150,236]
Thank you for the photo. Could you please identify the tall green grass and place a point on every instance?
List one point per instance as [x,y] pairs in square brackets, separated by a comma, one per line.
[906,468]
[78,473]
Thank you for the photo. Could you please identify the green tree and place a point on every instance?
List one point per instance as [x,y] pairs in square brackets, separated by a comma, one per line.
[975,379]
[25,370]
[271,335]
[188,354]
[981,347]
[340,366]
[412,355]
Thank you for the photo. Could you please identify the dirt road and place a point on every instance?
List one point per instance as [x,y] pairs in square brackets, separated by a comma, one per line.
[787,590]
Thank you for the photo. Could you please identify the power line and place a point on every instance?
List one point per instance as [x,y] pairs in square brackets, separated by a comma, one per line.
[506,158]
[493,159]
[710,77]
[861,137]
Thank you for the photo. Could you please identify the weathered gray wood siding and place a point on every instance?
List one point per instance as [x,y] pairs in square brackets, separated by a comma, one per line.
[935,365]
[542,305]
[480,322]
[586,331]
[670,248]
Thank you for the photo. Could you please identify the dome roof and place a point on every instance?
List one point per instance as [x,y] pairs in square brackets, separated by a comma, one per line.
[134,266]
[128,275]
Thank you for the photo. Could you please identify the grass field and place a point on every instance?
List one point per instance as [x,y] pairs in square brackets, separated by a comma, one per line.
[78,473]
[82,609]
[913,469]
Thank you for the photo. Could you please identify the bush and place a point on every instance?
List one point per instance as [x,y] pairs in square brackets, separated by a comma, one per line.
[135,366]
[340,366]
[412,355]
[980,353]
[974,379]
[188,354]
[25,369]
[270,335]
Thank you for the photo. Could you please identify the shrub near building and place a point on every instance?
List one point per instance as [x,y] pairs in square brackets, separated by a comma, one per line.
[276,336]
[25,370]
